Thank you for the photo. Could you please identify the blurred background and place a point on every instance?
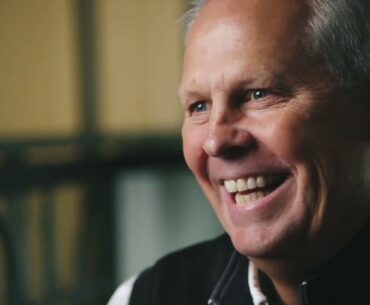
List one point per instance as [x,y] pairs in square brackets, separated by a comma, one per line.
[93,186]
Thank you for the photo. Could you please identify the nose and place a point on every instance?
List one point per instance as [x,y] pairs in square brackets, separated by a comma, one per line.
[227,137]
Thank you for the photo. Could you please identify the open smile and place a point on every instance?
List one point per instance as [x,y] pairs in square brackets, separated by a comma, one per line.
[245,191]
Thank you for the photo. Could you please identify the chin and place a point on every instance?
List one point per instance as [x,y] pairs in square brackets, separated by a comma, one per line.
[269,240]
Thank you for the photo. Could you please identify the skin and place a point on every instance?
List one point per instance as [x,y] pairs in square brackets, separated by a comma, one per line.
[256,104]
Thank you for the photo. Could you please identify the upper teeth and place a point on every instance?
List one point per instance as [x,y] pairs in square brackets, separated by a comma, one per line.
[245,184]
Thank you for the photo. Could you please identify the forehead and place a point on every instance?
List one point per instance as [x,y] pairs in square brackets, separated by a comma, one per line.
[247,36]
[265,16]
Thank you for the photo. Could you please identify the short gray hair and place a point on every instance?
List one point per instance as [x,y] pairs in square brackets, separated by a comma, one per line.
[337,31]
[191,15]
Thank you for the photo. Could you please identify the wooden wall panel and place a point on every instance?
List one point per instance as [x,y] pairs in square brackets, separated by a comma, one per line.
[39,83]
[140,50]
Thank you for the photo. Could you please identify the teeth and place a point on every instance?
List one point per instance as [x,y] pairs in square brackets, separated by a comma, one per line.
[261,181]
[231,186]
[248,184]
[251,183]
[242,185]
[246,199]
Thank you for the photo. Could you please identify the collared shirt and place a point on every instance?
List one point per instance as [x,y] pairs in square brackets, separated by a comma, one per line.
[254,286]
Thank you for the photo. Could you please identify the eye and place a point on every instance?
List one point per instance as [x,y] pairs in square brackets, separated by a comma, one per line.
[198,107]
[259,98]
[258,94]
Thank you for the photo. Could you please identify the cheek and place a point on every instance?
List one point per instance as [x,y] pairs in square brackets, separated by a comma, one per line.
[296,134]
[292,138]
[192,139]
[284,136]
[304,145]
[196,159]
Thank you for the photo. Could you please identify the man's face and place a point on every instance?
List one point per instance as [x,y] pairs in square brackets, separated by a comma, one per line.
[277,148]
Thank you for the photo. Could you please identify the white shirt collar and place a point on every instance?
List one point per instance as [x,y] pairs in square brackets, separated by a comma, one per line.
[254,286]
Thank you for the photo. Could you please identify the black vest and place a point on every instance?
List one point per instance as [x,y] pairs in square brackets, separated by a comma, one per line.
[208,271]
[214,273]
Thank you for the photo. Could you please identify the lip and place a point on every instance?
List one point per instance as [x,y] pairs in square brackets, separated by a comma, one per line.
[262,208]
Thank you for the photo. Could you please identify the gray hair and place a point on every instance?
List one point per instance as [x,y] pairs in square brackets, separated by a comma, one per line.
[191,15]
[337,31]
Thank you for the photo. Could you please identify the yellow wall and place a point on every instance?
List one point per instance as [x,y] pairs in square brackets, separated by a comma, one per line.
[140,54]
[39,83]
[139,50]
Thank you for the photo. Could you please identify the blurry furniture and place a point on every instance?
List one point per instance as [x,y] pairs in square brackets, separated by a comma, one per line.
[57,210]
[88,88]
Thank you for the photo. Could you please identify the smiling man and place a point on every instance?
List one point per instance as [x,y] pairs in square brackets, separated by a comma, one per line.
[277,133]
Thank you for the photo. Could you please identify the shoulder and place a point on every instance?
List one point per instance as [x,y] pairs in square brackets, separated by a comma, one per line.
[188,275]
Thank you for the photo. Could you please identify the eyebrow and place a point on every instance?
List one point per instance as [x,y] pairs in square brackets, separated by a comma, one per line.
[277,80]
[184,95]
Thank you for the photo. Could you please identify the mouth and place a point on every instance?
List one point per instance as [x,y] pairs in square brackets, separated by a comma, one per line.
[247,190]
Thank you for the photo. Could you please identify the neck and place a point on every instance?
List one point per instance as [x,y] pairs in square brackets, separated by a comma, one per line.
[287,273]
[285,278]
[288,293]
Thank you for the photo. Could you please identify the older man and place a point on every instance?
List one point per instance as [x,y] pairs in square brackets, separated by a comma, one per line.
[276,131]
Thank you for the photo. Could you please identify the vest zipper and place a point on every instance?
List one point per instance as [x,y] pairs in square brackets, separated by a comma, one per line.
[303,293]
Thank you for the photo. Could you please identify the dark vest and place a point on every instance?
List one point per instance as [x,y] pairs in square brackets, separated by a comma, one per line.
[214,273]
[210,270]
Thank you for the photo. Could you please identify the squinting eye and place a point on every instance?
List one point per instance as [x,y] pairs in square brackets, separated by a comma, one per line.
[199,107]
[259,93]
